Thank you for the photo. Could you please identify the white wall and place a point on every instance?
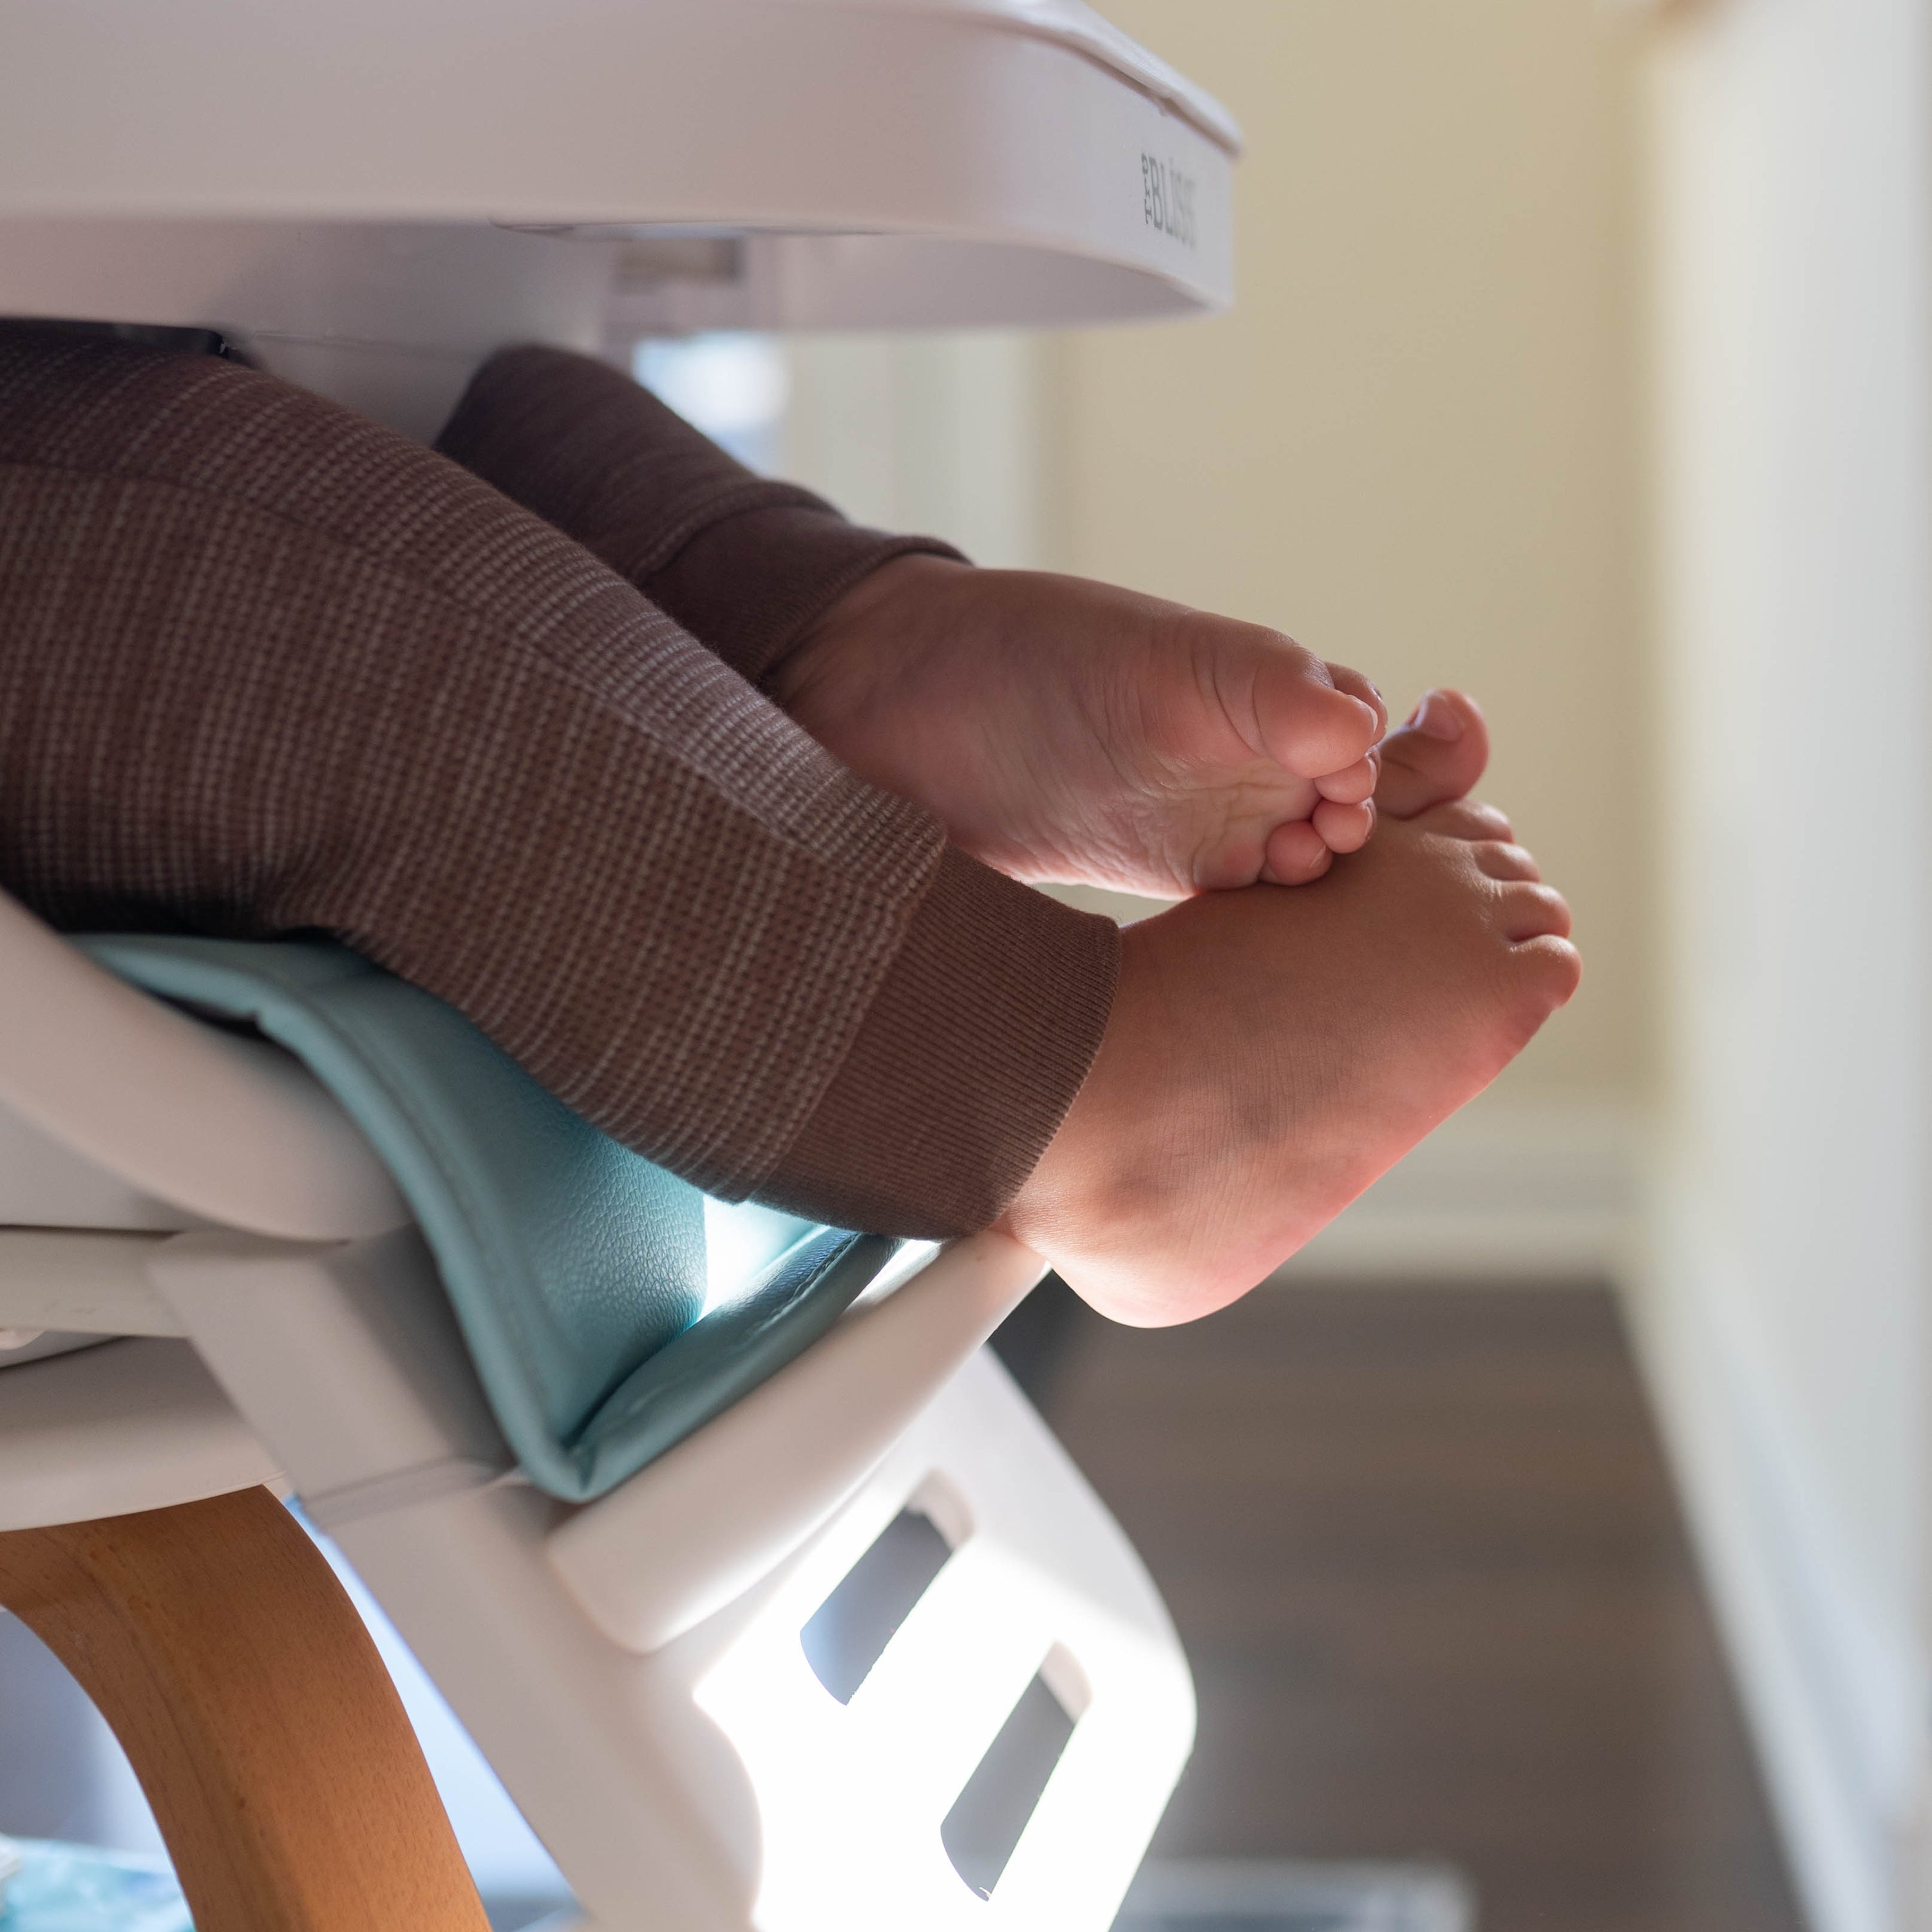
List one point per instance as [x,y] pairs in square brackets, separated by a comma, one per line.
[1785,1317]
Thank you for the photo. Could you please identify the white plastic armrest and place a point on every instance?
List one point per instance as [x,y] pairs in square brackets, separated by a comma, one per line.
[232,1130]
[698,1527]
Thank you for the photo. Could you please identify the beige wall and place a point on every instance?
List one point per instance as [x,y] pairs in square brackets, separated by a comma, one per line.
[1412,443]
[1787,1315]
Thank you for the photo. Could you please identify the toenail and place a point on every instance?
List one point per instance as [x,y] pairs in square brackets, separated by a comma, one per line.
[1435,717]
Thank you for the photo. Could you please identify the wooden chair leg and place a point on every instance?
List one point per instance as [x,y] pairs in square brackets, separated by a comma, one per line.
[231,1664]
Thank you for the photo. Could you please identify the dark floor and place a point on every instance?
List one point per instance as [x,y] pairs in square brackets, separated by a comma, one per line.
[1423,1553]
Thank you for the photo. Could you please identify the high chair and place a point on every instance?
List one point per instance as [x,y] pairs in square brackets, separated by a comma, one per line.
[643,1653]
[768,1596]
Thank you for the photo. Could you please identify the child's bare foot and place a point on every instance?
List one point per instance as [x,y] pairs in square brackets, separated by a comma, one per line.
[1270,1053]
[1067,730]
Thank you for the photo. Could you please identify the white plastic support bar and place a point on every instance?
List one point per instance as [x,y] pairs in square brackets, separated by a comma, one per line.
[345,1358]
[43,1184]
[81,1283]
[233,1129]
[656,1555]
[126,1426]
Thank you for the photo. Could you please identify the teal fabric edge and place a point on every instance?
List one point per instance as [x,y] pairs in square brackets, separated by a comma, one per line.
[577,1434]
[685,1383]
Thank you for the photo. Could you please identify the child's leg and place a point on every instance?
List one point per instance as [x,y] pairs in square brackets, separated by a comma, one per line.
[1059,729]
[266,668]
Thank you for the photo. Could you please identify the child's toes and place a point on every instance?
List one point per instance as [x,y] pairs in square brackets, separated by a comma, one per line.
[1306,724]
[1296,854]
[1435,756]
[1352,684]
[1352,785]
[1343,828]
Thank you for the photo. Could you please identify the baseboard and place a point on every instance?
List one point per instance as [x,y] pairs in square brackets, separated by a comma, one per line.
[1540,1190]
[1832,1690]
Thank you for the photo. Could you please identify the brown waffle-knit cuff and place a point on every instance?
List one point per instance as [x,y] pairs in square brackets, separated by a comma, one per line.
[751,586]
[965,1063]
[742,563]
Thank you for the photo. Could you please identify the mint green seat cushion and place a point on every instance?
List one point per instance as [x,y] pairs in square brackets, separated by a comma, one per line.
[577,1269]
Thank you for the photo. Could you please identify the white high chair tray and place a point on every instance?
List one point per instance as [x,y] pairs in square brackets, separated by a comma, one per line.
[389,175]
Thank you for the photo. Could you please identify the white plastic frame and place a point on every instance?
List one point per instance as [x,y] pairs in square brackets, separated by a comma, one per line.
[632,1669]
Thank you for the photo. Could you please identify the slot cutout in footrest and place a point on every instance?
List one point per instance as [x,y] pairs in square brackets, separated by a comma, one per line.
[849,1630]
[998,1801]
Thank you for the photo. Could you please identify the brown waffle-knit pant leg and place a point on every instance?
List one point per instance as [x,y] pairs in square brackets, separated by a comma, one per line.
[266,668]
[745,562]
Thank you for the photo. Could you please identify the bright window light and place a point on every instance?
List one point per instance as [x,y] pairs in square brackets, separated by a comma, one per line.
[740,1242]
[735,387]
